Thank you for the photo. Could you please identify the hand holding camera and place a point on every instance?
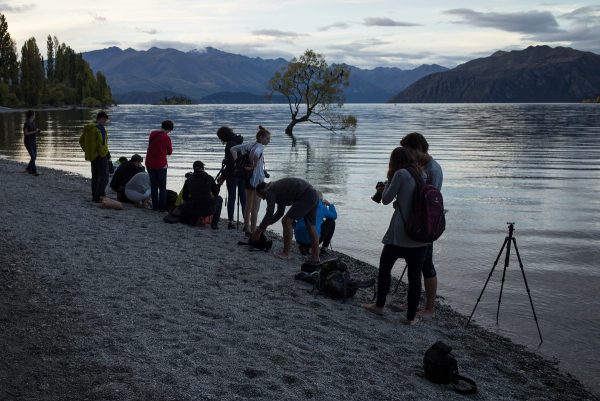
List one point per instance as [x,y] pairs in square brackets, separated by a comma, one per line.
[379,187]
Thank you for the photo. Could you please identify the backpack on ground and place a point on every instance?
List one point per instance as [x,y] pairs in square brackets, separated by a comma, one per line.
[426,221]
[262,244]
[332,279]
[441,367]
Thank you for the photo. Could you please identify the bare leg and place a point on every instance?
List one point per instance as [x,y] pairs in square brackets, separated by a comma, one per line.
[286,222]
[254,211]
[314,242]
[431,292]
[250,193]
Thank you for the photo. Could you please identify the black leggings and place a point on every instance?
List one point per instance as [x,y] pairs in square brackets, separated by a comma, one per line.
[414,258]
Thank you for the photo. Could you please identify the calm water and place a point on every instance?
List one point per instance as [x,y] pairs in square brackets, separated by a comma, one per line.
[536,165]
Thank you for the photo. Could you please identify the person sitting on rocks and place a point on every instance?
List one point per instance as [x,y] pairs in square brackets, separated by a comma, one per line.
[200,197]
[325,226]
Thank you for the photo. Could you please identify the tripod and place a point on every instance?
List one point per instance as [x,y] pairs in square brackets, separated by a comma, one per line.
[507,243]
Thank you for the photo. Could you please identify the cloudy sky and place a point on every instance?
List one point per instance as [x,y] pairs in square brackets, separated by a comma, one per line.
[364,33]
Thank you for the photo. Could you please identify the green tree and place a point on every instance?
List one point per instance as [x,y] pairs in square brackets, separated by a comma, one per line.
[102,91]
[314,92]
[50,59]
[9,66]
[32,73]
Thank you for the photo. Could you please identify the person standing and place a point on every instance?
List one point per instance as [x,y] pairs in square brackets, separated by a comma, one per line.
[159,147]
[30,130]
[400,186]
[302,198]
[254,174]
[417,144]
[94,142]
[235,183]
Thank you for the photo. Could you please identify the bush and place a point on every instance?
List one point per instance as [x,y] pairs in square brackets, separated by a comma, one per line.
[91,102]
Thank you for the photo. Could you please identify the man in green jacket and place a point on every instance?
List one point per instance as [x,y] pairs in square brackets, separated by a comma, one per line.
[94,142]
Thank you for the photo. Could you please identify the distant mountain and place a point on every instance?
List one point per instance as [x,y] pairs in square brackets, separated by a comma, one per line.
[535,74]
[214,76]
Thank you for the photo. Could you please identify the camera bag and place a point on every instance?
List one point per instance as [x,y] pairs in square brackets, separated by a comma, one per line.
[441,367]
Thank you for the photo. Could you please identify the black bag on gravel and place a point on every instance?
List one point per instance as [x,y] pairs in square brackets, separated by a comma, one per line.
[441,367]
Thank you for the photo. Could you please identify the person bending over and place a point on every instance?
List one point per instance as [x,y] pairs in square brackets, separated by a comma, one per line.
[302,198]
[137,190]
[201,197]
[325,226]
[400,186]
[417,144]
[125,172]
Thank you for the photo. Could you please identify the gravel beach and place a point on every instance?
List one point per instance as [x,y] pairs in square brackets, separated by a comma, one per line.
[101,304]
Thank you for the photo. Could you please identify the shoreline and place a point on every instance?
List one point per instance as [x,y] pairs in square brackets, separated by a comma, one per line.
[36,109]
[118,304]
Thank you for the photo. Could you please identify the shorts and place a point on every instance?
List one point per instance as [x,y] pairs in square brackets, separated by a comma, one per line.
[305,207]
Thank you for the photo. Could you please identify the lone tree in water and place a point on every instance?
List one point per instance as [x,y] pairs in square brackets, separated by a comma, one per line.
[314,92]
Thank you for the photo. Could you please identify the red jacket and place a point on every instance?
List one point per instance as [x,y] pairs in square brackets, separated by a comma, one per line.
[159,147]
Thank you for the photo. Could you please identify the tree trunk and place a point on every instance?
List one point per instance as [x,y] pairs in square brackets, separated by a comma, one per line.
[289,131]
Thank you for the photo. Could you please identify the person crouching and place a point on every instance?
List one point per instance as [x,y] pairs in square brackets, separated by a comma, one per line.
[302,198]
[201,197]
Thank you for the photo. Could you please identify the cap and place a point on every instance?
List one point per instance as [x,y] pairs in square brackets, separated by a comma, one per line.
[198,165]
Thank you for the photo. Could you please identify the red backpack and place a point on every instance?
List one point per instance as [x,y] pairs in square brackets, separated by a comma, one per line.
[426,221]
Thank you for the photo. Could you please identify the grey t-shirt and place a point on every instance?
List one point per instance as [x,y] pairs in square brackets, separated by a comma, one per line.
[283,192]
[435,176]
[139,183]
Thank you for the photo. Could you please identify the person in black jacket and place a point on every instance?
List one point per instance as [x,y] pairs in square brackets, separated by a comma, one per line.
[123,174]
[201,197]
[234,182]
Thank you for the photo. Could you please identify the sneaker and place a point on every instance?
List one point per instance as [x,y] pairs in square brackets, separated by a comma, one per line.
[230,225]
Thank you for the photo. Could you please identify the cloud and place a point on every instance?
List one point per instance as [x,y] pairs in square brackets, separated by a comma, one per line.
[277,34]
[338,25]
[98,18]
[377,21]
[7,8]
[585,15]
[148,31]
[528,22]
[358,45]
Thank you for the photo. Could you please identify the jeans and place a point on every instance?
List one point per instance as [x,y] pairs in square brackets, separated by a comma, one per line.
[158,188]
[99,177]
[31,147]
[235,183]
[414,259]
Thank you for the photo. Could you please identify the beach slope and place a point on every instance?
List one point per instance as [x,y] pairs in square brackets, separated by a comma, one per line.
[117,305]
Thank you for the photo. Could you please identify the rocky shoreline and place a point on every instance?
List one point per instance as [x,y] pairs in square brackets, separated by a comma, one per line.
[117,305]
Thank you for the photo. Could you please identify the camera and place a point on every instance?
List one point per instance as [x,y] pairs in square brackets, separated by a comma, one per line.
[377,197]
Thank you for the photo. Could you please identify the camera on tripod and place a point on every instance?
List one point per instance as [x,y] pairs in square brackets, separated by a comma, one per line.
[379,194]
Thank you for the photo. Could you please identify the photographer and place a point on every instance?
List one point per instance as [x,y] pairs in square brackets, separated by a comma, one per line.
[201,197]
[234,182]
[400,186]
[30,130]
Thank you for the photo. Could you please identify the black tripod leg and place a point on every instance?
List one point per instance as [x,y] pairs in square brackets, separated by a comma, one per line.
[400,279]
[488,279]
[506,263]
[528,292]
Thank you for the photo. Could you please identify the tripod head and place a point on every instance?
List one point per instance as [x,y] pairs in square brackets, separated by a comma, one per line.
[511,229]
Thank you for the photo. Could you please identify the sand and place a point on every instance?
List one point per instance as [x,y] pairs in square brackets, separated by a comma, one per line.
[101,304]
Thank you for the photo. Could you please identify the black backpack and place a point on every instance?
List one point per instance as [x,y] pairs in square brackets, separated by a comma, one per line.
[441,367]
[243,166]
[332,279]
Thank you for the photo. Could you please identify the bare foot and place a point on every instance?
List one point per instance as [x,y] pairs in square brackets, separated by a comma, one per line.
[411,322]
[282,255]
[373,308]
[426,314]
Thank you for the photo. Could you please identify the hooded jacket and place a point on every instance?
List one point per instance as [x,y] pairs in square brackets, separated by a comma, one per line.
[91,142]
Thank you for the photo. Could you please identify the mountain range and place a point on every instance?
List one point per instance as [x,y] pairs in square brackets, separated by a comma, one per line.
[535,74]
[215,76]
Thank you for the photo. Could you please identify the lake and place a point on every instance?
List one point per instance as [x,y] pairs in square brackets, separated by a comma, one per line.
[537,165]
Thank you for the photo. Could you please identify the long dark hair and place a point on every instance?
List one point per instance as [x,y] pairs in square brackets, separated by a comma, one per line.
[401,158]
[225,134]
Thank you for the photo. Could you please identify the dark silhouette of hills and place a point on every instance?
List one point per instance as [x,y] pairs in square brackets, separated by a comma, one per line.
[535,74]
[214,76]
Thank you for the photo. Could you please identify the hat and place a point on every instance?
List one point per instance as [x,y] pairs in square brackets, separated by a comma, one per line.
[136,158]
[198,165]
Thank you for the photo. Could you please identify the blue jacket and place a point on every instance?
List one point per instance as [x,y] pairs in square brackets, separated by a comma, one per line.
[323,212]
